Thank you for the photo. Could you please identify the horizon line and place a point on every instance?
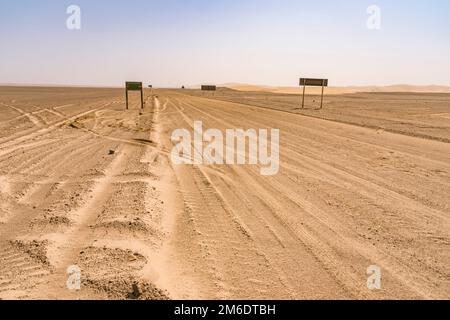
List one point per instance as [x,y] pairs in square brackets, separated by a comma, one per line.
[226,84]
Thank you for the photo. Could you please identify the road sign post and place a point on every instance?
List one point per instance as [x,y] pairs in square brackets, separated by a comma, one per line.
[313,83]
[303,99]
[134,86]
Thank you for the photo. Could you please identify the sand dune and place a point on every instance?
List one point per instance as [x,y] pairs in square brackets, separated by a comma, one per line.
[339,90]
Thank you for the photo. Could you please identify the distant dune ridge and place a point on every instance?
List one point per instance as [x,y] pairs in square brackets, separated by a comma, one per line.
[272,89]
[340,90]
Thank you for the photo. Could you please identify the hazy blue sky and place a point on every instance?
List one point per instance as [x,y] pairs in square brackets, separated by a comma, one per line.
[273,42]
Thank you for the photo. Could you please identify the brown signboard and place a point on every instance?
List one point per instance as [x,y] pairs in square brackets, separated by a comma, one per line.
[209,88]
[314,82]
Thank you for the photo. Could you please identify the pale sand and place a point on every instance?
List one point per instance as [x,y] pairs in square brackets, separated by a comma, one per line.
[83,182]
[339,90]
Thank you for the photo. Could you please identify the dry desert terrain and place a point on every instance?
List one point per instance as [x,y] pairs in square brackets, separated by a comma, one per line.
[86,183]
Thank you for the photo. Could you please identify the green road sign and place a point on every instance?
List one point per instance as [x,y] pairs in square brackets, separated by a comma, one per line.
[209,88]
[134,86]
[314,82]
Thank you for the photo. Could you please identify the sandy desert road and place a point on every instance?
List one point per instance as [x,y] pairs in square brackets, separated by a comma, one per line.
[77,192]
[96,189]
[344,199]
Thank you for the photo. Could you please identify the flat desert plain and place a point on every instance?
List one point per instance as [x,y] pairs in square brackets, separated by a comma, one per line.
[88,191]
